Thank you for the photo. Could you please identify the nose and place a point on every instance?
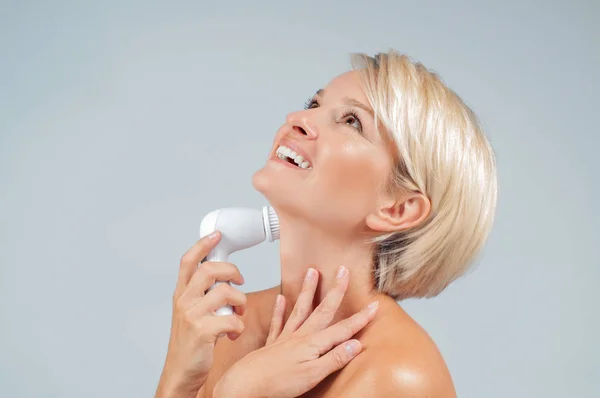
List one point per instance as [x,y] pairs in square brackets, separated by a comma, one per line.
[301,124]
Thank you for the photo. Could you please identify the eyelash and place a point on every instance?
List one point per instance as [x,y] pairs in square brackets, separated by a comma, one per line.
[348,112]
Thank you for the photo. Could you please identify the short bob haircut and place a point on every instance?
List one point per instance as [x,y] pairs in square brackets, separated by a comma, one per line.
[441,152]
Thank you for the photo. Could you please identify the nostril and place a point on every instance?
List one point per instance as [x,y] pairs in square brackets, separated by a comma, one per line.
[300,130]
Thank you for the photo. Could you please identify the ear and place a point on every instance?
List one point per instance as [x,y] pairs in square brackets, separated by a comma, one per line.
[398,214]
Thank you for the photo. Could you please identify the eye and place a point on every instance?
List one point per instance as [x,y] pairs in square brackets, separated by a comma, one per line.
[353,119]
[309,103]
[349,114]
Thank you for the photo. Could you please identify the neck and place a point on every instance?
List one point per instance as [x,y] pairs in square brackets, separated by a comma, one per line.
[304,246]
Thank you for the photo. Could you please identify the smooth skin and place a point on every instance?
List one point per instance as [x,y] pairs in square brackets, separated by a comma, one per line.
[306,348]
[388,364]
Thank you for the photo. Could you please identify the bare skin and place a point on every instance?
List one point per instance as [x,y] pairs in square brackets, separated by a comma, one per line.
[397,355]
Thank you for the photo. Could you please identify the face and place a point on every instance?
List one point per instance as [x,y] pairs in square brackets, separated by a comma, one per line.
[327,165]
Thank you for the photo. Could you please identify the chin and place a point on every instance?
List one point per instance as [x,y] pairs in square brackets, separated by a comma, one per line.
[260,182]
[275,190]
[284,189]
[280,192]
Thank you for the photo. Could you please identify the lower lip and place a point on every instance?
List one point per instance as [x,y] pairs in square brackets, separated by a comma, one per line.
[286,163]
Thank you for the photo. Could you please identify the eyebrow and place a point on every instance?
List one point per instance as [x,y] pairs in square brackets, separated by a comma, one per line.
[350,101]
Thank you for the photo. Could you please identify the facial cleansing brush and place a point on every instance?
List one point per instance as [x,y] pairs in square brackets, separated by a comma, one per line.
[240,228]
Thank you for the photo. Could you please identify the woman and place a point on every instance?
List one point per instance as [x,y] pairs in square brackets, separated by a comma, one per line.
[386,172]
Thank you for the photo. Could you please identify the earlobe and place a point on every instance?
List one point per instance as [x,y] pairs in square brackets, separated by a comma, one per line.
[400,215]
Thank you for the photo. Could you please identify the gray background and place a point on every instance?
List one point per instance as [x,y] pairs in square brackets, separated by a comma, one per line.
[123,123]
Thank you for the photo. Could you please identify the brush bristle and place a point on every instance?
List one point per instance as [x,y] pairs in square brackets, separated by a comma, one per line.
[273,223]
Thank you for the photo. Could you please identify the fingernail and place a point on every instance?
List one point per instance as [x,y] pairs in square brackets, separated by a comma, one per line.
[341,271]
[352,347]
[213,235]
[373,306]
[310,274]
[278,301]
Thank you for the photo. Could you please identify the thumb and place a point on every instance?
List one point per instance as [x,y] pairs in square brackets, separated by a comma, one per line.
[337,358]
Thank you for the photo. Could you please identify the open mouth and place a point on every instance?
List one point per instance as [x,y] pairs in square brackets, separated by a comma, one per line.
[285,153]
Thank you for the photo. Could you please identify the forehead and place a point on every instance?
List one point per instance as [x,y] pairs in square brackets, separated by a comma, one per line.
[347,84]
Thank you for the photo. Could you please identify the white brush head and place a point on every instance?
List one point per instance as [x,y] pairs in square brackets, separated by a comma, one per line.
[271,222]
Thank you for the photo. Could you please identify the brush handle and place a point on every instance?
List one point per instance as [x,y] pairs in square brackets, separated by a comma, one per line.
[226,309]
[217,255]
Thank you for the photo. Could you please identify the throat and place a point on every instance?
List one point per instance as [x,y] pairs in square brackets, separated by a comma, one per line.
[303,246]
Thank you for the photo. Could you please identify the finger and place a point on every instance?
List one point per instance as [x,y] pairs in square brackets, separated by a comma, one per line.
[212,326]
[334,360]
[303,306]
[325,311]
[206,275]
[222,295]
[335,334]
[276,319]
[190,260]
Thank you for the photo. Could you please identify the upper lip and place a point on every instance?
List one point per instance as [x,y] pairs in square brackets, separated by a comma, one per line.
[294,146]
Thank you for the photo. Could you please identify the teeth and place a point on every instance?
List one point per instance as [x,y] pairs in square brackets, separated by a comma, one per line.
[284,152]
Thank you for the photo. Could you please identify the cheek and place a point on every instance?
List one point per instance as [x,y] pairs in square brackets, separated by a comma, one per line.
[354,174]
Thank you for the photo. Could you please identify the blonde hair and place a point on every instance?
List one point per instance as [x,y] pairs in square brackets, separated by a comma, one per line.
[441,152]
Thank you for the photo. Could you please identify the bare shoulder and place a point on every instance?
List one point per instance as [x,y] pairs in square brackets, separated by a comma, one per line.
[399,359]
[399,378]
